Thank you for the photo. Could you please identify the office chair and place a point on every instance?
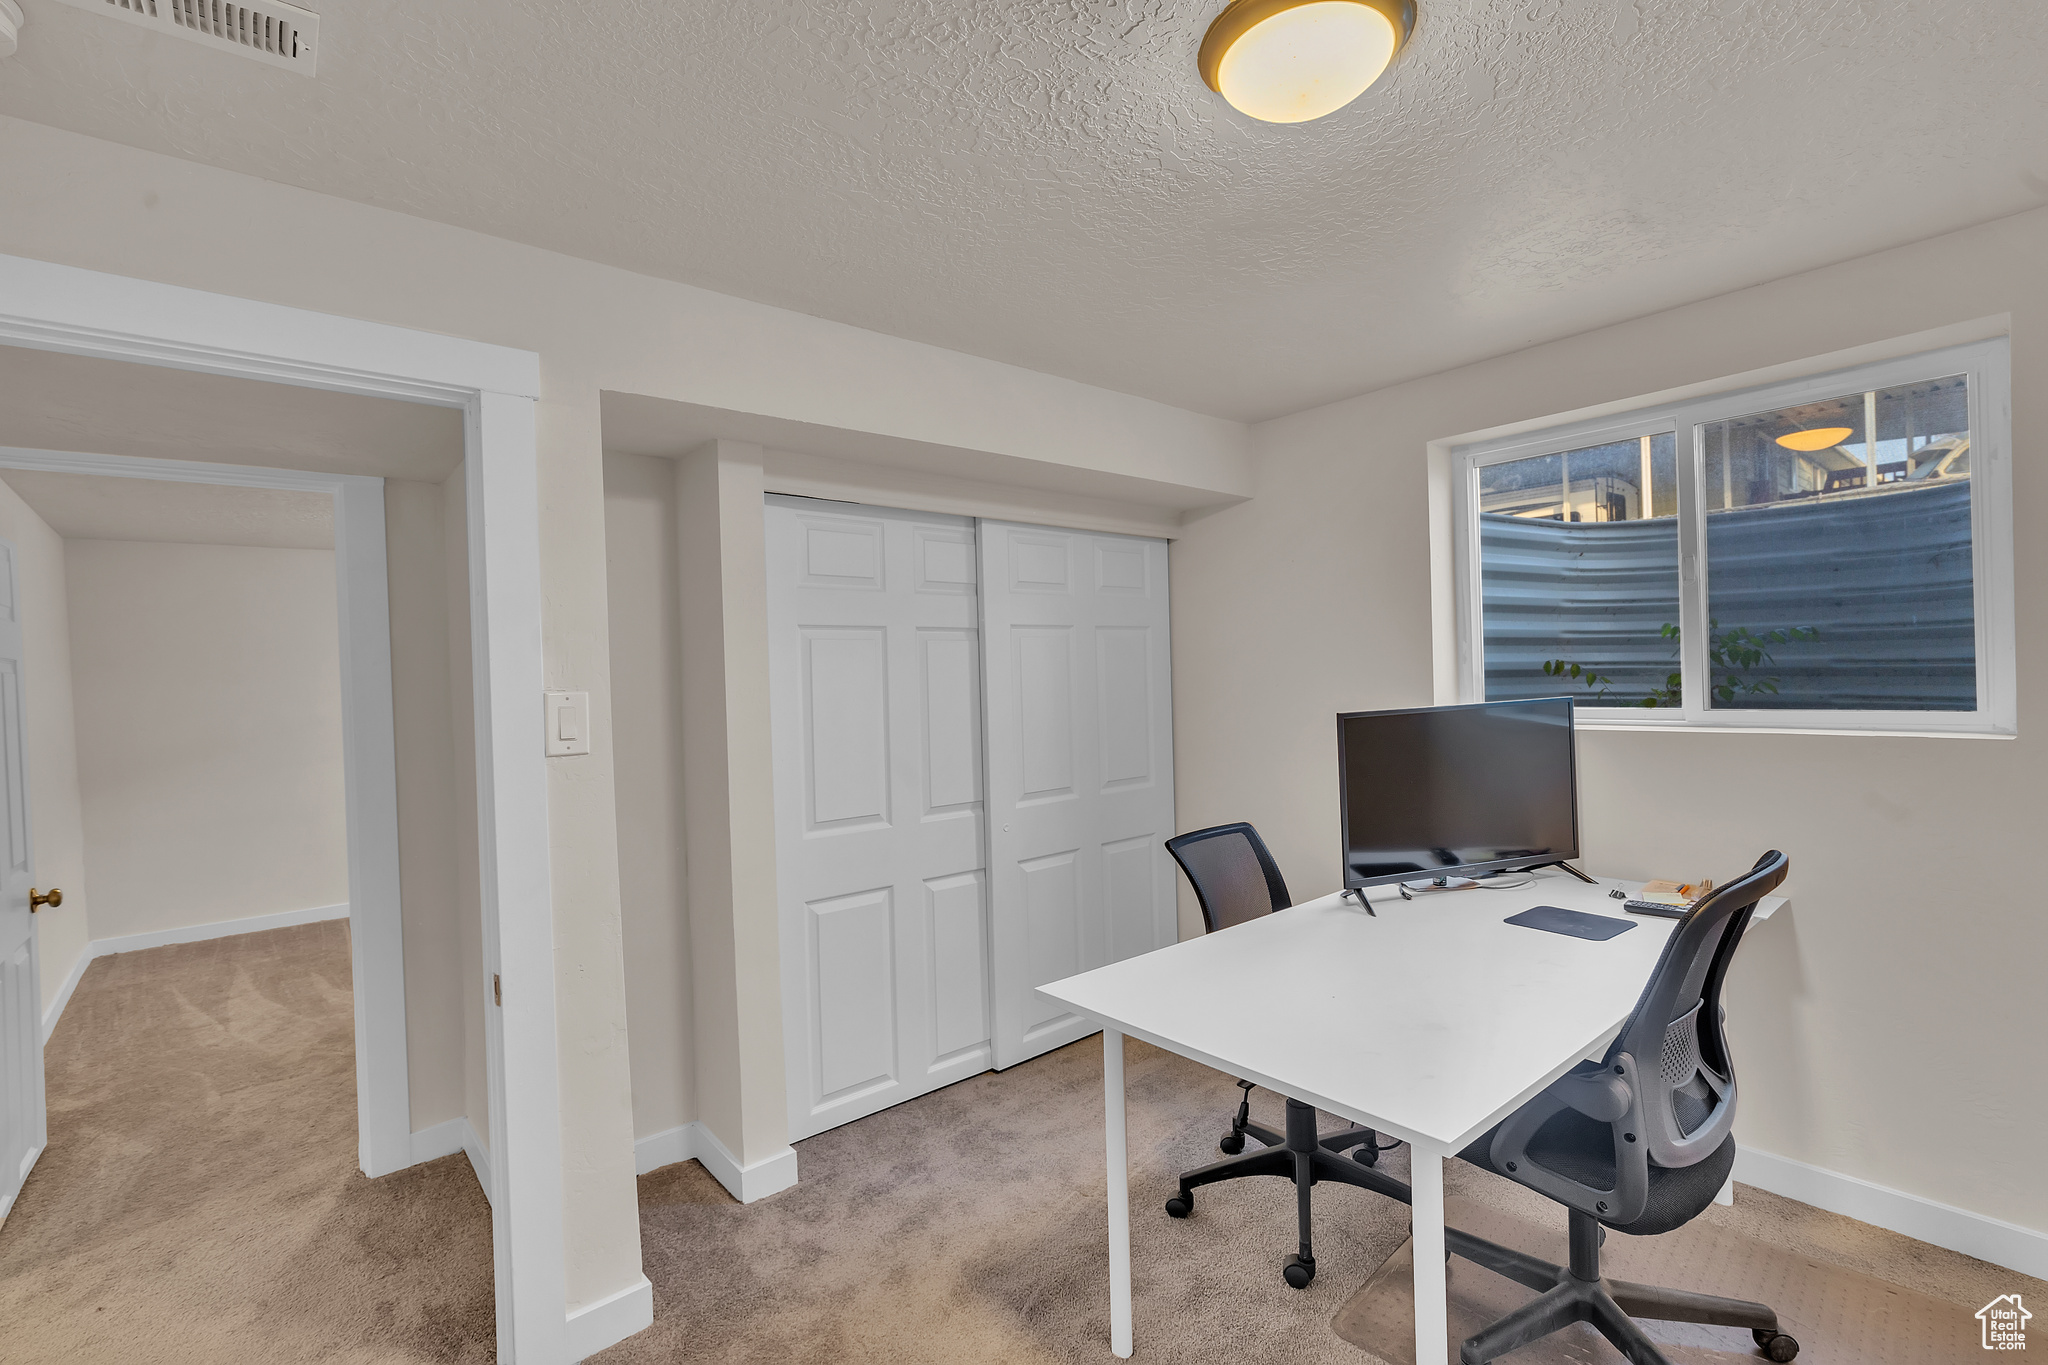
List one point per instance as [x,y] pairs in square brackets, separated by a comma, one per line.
[1235,879]
[1639,1142]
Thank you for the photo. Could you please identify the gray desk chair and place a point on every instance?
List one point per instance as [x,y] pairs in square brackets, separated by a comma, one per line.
[1639,1142]
[1236,879]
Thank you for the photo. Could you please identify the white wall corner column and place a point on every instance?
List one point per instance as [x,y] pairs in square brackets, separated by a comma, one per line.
[728,807]
[501,478]
[376,934]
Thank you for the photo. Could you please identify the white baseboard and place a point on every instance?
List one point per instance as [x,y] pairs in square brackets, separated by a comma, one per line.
[28,1163]
[443,1139]
[479,1158]
[772,1174]
[198,933]
[1974,1234]
[446,1139]
[63,996]
[191,933]
[665,1148]
[610,1320]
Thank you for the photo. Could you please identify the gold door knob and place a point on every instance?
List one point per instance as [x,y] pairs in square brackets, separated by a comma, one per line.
[37,900]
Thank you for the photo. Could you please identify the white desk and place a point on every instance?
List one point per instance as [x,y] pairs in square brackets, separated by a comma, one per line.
[1430,1021]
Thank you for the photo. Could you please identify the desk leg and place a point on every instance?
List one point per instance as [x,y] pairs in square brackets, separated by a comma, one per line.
[1426,1229]
[1119,1194]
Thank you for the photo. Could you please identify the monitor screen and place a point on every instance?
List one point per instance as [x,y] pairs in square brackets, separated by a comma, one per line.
[1457,790]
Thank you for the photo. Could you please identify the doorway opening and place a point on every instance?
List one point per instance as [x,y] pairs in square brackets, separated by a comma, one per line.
[232,678]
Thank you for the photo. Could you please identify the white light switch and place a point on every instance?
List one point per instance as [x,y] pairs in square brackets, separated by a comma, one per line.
[568,720]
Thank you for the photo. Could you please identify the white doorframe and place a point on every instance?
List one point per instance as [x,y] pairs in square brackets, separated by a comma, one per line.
[369,758]
[86,312]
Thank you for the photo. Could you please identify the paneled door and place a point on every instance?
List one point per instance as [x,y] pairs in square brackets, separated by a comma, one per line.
[23,1122]
[875,665]
[1080,766]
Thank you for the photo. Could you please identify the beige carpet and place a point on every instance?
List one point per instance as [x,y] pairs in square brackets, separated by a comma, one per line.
[200,1203]
[1839,1316]
[969,1226]
[199,1200]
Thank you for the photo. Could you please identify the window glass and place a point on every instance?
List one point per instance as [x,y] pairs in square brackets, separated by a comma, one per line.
[1579,573]
[1838,558]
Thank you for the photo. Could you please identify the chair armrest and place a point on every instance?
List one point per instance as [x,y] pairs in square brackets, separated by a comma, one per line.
[1604,1097]
[1600,1095]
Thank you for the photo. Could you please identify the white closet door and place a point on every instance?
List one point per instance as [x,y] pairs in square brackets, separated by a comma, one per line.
[875,667]
[1080,766]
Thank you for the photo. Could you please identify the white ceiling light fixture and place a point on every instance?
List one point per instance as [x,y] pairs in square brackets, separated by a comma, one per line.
[1291,61]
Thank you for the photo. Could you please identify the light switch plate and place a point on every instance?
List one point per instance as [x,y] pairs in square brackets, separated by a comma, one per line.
[568,722]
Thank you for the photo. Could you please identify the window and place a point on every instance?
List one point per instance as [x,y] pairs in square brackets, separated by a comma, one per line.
[1826,553]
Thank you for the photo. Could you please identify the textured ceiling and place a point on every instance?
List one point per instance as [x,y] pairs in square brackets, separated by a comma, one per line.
[94,507]
[1047,182]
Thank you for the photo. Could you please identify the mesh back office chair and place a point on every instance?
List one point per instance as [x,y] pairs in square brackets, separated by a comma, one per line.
[1236,879]
[1639,1142]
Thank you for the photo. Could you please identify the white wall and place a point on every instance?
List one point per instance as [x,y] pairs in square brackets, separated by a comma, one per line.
[429,804]
[58,822]
[646,641]
[207,681]
[1886,1028]
[469,928]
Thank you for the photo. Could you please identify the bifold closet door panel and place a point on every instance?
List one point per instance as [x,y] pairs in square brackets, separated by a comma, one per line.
[1080,765]
[881,868]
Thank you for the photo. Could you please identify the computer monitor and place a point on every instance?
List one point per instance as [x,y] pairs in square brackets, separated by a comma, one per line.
[1457,791]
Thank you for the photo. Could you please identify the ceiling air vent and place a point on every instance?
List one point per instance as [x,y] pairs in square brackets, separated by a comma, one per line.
[282,35]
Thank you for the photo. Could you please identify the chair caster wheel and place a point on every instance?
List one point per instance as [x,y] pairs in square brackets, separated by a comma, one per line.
[1774,1344]
[1298,1272]
[1181,1205]
[1367,1155]
[1232,1143]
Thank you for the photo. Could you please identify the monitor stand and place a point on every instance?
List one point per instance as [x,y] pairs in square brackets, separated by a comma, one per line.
[1590,881]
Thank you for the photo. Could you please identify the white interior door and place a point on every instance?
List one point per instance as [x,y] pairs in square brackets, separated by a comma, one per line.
[1080,765]
[23,1121]
[875,668]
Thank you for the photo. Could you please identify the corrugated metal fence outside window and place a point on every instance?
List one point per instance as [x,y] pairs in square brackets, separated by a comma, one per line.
[1884,581]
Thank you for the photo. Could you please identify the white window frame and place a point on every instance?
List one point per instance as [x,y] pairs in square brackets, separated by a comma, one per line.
[1988,367]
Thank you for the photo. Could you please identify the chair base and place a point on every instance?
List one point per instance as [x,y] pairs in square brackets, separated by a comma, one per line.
[1299,1155]
[1577,1293]
[1364,1139]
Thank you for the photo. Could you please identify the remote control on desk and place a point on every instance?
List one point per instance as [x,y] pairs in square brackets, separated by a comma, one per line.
[1656,908]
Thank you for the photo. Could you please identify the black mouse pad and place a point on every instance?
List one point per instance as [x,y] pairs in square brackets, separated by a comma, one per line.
[1555,919]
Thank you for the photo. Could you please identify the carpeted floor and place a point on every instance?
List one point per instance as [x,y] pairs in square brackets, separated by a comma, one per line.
[969,1226]
[200,1203]
[1838,1315]
[199,1200]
